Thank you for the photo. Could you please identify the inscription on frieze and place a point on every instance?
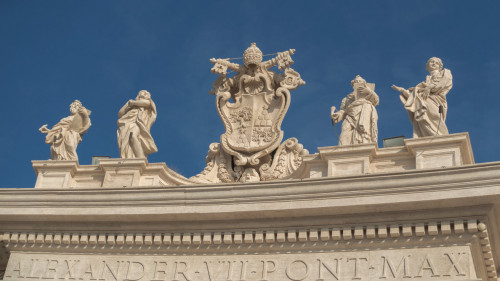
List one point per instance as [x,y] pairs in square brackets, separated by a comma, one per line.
[426,264]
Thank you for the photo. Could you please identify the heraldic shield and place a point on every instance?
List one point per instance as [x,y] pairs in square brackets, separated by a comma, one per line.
[253,121]
[252,105]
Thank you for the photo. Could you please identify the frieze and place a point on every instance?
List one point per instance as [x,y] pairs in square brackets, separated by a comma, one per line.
[260,242]
[442,263]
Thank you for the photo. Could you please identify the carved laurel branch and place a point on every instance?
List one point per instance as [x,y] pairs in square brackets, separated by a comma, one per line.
[174,240]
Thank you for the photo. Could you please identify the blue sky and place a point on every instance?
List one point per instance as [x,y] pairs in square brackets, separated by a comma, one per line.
[104,52]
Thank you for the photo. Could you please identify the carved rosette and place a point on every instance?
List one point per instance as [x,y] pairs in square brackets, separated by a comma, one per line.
[252,106]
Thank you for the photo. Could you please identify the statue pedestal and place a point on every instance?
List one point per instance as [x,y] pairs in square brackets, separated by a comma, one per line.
[125,172]
[332,161]
[55,174]
[421,153]
[115,173]
[440,152]
[347,160]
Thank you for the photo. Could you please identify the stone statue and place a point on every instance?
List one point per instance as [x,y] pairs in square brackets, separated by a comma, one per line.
[135,120]
[252,105]
[65,136]
[426,102]
[357,110]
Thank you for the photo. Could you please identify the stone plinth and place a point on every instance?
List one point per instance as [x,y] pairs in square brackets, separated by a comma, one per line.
[55,174]
[441,151]
[333,161]
[421,153]
[108,173]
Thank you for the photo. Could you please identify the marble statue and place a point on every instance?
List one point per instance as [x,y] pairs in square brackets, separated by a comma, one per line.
[65,136]
[426,102]
[358,112]
[252,105]
[135,120]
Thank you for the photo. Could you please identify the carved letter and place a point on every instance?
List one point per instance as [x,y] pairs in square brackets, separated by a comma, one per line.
[356,267]
[243,273]
[295,278]
[183,272]
[266,270]
[157,270]
[335,274]
[69,268]
[229,270]
[32,270]
[455,264]
[213,273]
[127,278]
[16,268]
[88,270]
[427,265]
[210,277]
[115,274]
[49,269]
[396,271]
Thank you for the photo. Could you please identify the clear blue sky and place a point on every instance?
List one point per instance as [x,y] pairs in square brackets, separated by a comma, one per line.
[104,52]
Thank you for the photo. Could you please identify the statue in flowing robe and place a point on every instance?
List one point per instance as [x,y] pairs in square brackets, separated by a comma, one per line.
[358,112]
[135,120]
[65,136]
[426,102]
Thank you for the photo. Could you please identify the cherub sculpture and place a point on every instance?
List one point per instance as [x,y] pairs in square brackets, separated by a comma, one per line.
[426,103]
[136,118]
[358,112]
[65,136]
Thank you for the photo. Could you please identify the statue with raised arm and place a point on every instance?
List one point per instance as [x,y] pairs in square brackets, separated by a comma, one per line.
[135,120]
[426,102]
[358,112]
[65,136]
[252,103]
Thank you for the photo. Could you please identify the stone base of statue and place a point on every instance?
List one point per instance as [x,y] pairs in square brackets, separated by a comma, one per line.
[419,153]
[116,173]
[291,161]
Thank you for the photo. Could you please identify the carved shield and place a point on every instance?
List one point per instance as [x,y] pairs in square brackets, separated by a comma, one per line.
[253,121]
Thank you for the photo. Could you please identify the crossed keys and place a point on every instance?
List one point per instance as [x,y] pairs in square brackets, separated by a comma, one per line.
[283,60]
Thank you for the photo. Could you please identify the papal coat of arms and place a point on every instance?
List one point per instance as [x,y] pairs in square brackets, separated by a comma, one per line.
[252,105]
